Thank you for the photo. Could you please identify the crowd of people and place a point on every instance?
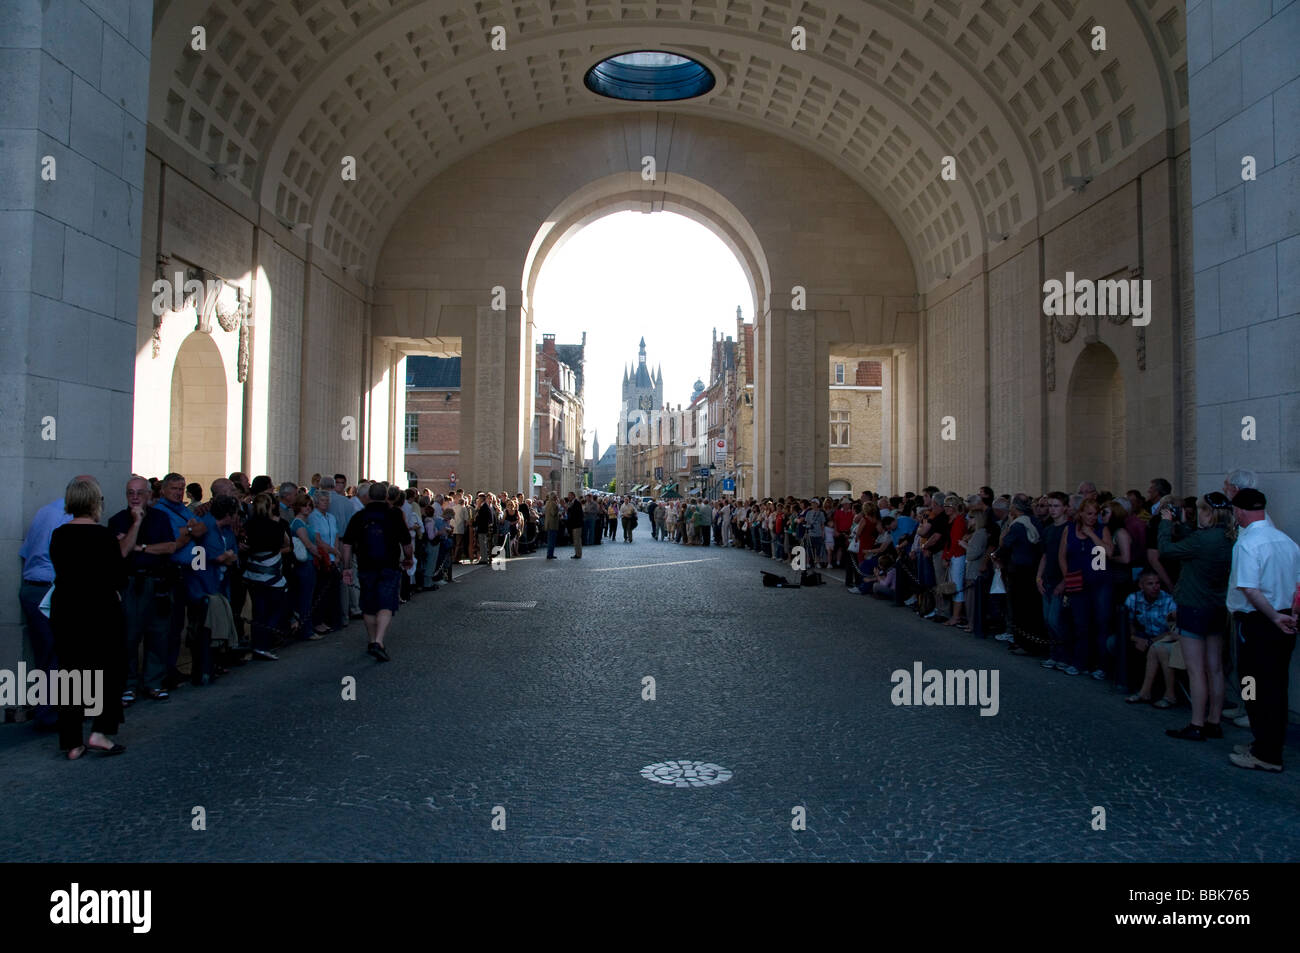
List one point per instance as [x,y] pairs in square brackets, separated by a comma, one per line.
[1134,588]
[1091,583]
[234,577]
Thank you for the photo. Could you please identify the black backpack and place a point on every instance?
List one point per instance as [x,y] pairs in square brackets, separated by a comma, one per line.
[374,541]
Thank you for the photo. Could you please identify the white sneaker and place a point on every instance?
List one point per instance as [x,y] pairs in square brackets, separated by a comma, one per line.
[1005,637]
[1048,663]
[1242,722]
[1234,713]
[931,615]
[1071,670]
[911,601]
[1099,675]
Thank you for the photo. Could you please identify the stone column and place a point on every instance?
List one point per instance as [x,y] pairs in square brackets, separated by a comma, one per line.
[800,399]
[762,486]
[73,109]
[1245,101]
[483,402]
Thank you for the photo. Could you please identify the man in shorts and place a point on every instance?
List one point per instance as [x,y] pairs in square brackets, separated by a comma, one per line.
[382,543]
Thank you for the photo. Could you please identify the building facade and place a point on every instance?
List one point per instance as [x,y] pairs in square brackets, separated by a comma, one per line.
[432,424]
[558,448]
[856,442]
[643,395]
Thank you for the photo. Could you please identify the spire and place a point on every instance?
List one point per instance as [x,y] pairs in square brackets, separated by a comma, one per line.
[738,315]
[642,353]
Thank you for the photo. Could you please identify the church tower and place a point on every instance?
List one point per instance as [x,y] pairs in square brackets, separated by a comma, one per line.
[643,393]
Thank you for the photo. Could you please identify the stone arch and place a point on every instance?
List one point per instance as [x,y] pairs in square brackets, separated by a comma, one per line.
[676,193]
[485,227]
[199,396]
[839,488]
[1096,437]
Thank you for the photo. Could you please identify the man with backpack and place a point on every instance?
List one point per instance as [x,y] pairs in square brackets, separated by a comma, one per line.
[379,536]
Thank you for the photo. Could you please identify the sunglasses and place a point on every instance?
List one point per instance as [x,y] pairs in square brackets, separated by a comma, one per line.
[1217,501]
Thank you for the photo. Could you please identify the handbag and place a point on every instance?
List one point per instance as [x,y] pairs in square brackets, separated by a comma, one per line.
[946,588]
[855,545]
[300,550]
[1074,581]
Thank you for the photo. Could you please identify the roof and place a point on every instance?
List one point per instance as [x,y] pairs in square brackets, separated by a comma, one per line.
[574,356]
[433,372]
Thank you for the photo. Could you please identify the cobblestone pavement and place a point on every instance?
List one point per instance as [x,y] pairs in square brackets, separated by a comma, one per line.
[540,711]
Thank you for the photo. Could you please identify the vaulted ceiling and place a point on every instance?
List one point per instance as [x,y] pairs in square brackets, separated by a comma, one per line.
[1011,88]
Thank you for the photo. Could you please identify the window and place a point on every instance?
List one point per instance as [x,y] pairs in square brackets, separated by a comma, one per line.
[412,431]
[839,373]
[839,428]
[649,76]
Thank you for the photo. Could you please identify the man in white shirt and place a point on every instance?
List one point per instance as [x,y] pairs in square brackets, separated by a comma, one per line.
[1261,590]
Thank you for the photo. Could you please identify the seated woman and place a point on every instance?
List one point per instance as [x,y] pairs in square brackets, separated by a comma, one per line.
[883,580]
[1151,613]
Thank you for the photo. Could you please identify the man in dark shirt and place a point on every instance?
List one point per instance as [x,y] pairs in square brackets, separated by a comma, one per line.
[383,546]
[1051,585]
[147,601]
[575,524]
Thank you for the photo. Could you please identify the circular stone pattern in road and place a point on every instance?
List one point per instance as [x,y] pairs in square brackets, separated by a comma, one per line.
[686,774]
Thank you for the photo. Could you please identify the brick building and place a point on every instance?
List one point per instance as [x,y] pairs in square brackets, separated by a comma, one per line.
[558,450]
[855,434]
[432,421]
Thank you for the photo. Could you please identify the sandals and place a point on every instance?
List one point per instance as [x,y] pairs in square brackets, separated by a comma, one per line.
[1137,700]
[157,695]
[128,699]
[116,749]
[1162,703]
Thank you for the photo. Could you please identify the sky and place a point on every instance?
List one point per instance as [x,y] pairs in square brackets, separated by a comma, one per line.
[628,275]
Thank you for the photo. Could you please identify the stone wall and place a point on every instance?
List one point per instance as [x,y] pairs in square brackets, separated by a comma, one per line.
[1014,431]
[73,107]
[1245,99]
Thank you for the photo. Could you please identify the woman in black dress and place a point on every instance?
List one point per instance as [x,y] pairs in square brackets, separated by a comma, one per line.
[86,616]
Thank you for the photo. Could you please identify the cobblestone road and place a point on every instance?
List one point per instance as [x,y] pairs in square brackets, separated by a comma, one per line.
[540,711]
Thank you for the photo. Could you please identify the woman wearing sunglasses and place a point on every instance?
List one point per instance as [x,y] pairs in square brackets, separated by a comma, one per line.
[1205,554]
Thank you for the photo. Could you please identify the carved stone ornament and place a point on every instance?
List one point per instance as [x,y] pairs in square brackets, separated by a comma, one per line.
[206,305]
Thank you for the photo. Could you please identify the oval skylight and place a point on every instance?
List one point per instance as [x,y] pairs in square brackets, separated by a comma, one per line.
[649,76]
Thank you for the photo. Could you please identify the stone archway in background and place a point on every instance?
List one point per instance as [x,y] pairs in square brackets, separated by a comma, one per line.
[196,448]
[1096,437]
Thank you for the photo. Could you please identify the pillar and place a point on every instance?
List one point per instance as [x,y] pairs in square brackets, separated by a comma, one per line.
[74,107]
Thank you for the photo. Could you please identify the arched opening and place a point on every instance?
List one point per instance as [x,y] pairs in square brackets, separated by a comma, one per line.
[839,489]
[685,286]
[197,446]
[1095,434]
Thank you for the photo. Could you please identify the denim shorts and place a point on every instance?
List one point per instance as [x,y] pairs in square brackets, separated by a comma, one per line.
[379,590]
[1197,623]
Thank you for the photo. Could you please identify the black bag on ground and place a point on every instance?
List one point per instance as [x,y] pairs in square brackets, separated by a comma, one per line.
[774,581]
[811,578]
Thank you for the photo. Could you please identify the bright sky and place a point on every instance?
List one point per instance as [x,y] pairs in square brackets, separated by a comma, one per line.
[628,275]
